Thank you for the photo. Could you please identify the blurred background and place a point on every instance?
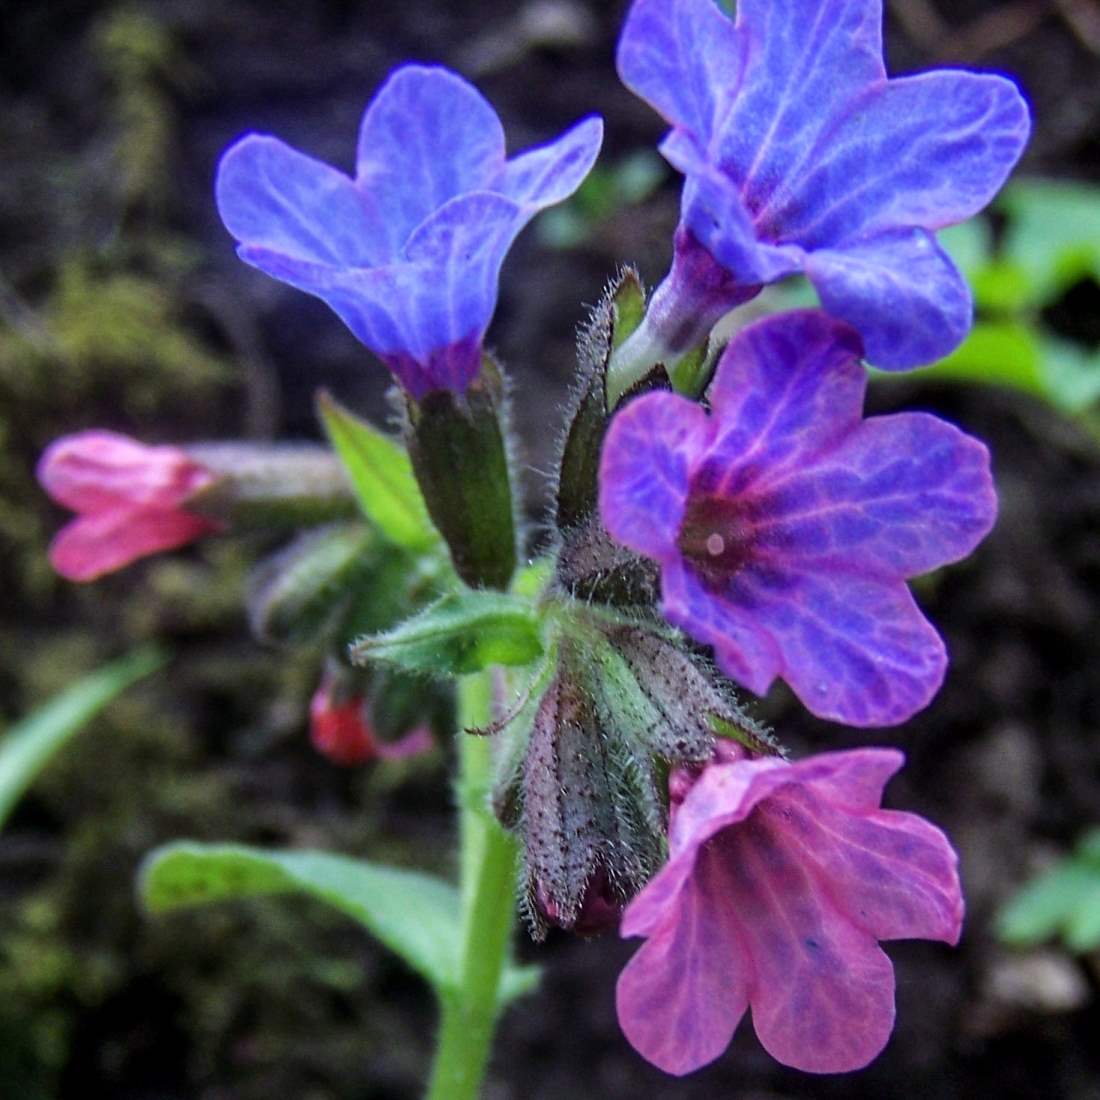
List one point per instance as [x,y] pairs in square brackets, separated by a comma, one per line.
[123,306]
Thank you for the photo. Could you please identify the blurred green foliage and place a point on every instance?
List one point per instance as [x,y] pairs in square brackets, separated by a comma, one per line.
[1035,274]
[31,743]
[606,191]
[1064,902]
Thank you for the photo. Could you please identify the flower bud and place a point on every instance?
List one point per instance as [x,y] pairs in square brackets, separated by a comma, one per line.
[599,911]
[131,501]
[585,759]
[340,727]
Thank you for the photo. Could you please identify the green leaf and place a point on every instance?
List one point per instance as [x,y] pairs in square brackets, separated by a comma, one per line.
[1001,353]
[381,475]
[460,633]
[1003,287]
[1041,908]
[29,745]
[1071,373]
[1053,233]
[415,915]
[1082,928]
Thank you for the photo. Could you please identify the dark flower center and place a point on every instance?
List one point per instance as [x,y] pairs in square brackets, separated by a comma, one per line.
[714,537]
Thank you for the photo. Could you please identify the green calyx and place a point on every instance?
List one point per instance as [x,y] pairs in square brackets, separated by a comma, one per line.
[615,703]
[458,446]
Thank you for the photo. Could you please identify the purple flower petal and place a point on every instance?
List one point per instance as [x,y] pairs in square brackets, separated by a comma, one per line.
[900,496]
[275,198]
[823,991]
[854,648]
[901,868]
[552,172]
[782,393]
[677,1008]
[901,291]
[684,58]
[426,136]
[809,61]
[647,460]
[782,878]
[746,652]
[928,150]
[409,253]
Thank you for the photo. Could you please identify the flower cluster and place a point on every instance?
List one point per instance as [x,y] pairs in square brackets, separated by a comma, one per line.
[783,524]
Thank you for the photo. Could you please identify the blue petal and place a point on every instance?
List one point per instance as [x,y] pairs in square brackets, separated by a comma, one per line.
[645,471]
[900,496]
[928,150]
[461,248]
[684,58]
[552,172]
[808,59]
[270,196]
[901,291]
[427,136]
[854,648]
[785,389]
[713,209]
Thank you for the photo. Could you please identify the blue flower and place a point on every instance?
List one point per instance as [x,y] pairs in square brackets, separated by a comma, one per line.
[408,253]
[800,155]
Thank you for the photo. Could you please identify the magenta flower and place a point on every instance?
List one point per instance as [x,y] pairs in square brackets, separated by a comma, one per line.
[340,729]
[130,500]
[781,880]
[409,251]
[800,155]
[785,525]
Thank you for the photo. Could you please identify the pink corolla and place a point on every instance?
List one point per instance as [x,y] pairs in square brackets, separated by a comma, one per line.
[781,880]
[785,524]
[340,729]
[130,501]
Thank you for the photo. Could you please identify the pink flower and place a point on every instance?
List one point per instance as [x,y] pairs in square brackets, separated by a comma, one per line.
[781,880]
[129,499]
[340,730]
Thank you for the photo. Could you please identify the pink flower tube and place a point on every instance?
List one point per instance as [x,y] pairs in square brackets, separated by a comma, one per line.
[129,500]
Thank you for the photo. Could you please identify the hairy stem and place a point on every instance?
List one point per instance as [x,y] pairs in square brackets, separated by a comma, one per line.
[488,869]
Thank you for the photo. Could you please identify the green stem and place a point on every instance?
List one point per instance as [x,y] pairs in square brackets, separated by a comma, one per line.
[488,869]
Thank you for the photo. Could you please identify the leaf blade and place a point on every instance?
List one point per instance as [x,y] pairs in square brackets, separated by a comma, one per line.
[382,899]
[381,475]
[31,743]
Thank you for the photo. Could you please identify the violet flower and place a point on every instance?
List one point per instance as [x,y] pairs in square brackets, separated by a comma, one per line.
[800,155]
[130,501]
[408,252]
[781,880]
[785,525]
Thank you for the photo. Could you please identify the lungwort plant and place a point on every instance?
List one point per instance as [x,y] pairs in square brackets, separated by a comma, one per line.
[724,516]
